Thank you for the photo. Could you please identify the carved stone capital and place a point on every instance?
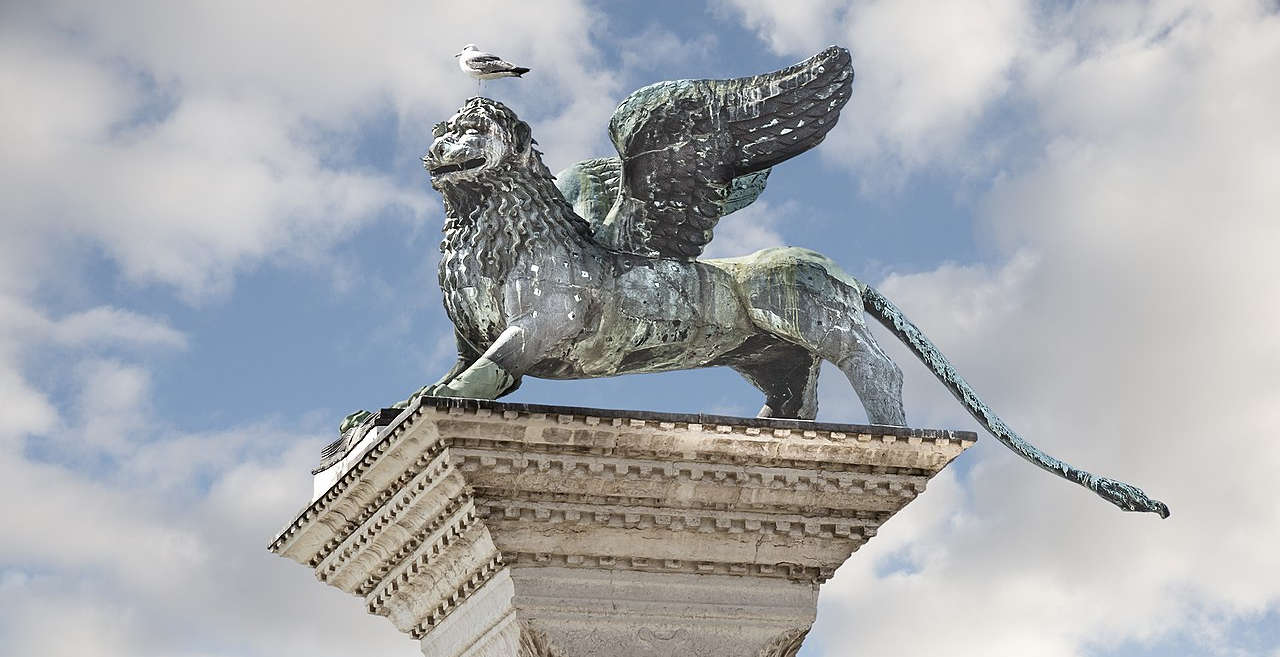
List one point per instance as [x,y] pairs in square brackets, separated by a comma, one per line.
[493,530]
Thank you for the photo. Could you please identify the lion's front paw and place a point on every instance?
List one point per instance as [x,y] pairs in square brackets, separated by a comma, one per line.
[446,391]
[435,390]
[353,420]
[485,379]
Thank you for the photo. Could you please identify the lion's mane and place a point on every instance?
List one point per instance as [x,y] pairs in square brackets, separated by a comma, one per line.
[514,208]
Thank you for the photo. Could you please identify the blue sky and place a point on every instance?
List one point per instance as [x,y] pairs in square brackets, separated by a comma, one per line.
[218,240]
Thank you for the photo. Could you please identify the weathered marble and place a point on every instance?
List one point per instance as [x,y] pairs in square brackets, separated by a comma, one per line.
[496,530]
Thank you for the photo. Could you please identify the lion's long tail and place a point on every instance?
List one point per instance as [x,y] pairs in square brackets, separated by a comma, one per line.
[1129,498]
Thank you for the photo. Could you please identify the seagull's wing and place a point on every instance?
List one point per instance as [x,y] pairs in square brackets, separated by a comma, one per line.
[591,187]
[487,63]
[683,143]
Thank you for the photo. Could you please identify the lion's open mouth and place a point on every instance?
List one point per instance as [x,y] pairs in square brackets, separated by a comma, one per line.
[450,168]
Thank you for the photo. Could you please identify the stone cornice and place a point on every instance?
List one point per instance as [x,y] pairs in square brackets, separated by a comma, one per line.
[790,571]
[423,512]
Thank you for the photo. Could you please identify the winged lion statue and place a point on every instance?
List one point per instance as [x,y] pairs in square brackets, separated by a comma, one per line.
[595,272]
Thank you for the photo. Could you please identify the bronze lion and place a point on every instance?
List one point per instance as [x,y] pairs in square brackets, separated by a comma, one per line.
[596,274]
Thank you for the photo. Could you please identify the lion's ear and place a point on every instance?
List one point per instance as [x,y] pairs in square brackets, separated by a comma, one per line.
[524,135]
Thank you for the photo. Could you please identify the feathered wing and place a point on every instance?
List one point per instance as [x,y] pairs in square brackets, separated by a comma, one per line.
[483,63]
[591,187]
[683,143]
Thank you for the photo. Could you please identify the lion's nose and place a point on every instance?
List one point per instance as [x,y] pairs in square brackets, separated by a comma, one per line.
[435,151]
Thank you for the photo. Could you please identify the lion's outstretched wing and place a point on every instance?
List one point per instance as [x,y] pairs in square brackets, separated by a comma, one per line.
[683,143]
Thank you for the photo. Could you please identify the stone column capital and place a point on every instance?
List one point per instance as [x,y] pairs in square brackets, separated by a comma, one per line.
[495,529]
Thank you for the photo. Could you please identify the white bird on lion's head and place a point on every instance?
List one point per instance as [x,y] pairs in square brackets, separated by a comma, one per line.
[486,66]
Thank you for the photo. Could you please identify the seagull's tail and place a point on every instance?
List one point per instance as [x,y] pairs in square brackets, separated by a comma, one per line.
[519,71]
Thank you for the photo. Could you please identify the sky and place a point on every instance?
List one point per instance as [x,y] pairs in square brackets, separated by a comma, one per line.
[216,239]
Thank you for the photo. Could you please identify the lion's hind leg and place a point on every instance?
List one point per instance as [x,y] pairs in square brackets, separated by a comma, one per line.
[787,374]
[805,298]
[874,376]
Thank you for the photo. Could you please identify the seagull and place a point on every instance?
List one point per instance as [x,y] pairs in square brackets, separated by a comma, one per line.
[486,66]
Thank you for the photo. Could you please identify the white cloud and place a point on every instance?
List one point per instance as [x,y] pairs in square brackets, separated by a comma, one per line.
[193,140]
[126,566]
[791,27]
[657,50]
[115,326]
[27,410]
[24,332]
[1131,329]
[1131,332]
[27,335]
[925,73]
[187,143]
[136,538]
[750,229]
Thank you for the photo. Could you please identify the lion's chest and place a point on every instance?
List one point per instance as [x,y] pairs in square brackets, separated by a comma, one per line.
[476,313]
[662,315]
[531,288]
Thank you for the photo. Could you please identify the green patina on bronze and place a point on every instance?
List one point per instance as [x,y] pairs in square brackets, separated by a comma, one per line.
[597,275]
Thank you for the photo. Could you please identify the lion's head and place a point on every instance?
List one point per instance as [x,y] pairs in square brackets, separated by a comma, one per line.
[483,135]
